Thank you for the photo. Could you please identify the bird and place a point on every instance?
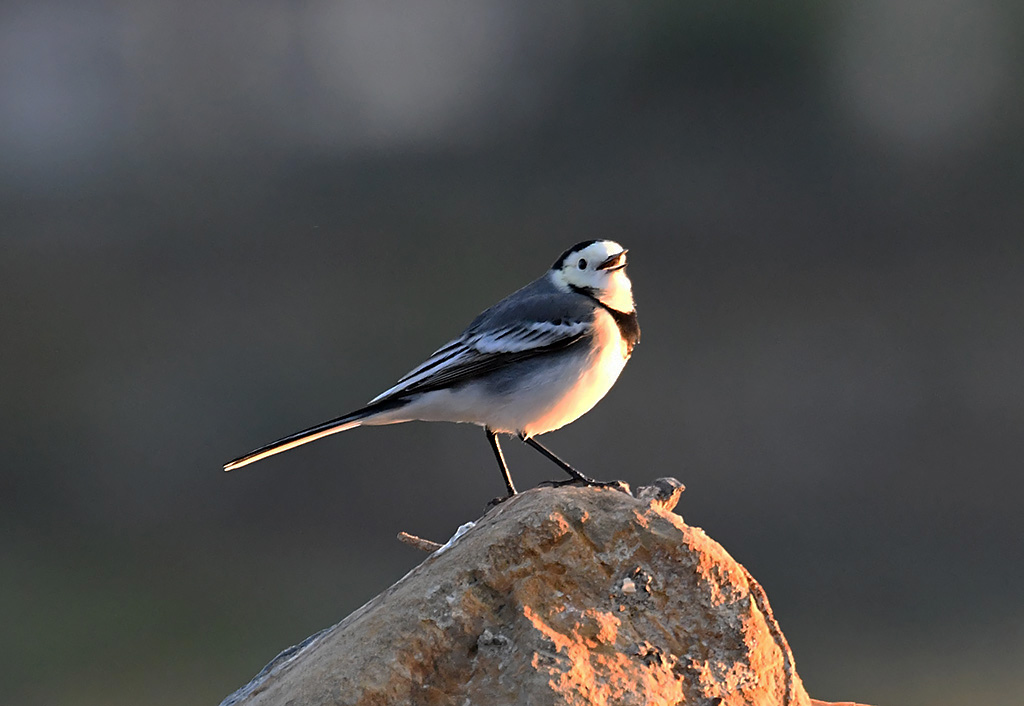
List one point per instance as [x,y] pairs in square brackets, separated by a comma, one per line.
[539,359]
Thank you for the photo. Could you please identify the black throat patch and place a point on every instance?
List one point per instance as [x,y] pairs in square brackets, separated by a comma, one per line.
[629,326]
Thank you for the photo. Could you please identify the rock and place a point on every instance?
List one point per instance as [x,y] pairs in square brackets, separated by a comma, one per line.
[557,596]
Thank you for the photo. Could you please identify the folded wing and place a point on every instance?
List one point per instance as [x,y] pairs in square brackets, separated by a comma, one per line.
[478,352]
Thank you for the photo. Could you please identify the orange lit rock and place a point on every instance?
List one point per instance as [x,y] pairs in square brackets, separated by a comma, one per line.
[577,596]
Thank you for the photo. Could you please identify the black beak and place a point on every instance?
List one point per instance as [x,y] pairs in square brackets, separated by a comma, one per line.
[615,262]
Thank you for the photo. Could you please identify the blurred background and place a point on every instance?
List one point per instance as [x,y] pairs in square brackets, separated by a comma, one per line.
[224,222]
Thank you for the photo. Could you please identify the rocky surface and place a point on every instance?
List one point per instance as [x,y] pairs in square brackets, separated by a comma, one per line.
[557,596]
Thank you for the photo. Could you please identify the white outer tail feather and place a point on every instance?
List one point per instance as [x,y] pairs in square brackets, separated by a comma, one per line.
[291,444]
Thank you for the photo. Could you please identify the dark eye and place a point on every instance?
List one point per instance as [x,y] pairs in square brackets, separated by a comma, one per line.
[583,264]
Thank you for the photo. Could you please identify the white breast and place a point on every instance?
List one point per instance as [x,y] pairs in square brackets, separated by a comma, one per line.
[574,392]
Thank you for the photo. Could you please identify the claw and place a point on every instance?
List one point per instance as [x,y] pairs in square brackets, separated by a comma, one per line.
[619,485]
[560,483]
[495,502]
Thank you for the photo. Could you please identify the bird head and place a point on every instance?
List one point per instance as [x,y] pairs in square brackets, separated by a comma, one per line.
[596,268]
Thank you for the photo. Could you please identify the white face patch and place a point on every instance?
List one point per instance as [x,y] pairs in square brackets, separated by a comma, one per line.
[610,285]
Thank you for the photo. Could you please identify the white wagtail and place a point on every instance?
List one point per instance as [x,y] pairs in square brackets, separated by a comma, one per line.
[537,360]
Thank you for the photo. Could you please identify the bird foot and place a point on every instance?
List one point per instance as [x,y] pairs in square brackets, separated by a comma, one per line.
[495,502]
[620,485]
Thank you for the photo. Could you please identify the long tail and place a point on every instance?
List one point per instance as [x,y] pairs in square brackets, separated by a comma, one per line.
[305,436]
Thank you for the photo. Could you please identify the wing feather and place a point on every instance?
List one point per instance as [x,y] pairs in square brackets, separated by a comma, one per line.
[478,352]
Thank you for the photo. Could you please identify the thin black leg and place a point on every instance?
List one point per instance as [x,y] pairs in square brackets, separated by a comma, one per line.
[576,475]
[492,438]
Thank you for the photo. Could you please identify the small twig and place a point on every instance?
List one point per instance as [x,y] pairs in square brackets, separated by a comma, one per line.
[418,542]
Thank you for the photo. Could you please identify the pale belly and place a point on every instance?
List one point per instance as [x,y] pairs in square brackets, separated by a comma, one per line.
[577,394]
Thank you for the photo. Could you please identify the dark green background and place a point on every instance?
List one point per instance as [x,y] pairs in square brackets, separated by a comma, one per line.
[221,223]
